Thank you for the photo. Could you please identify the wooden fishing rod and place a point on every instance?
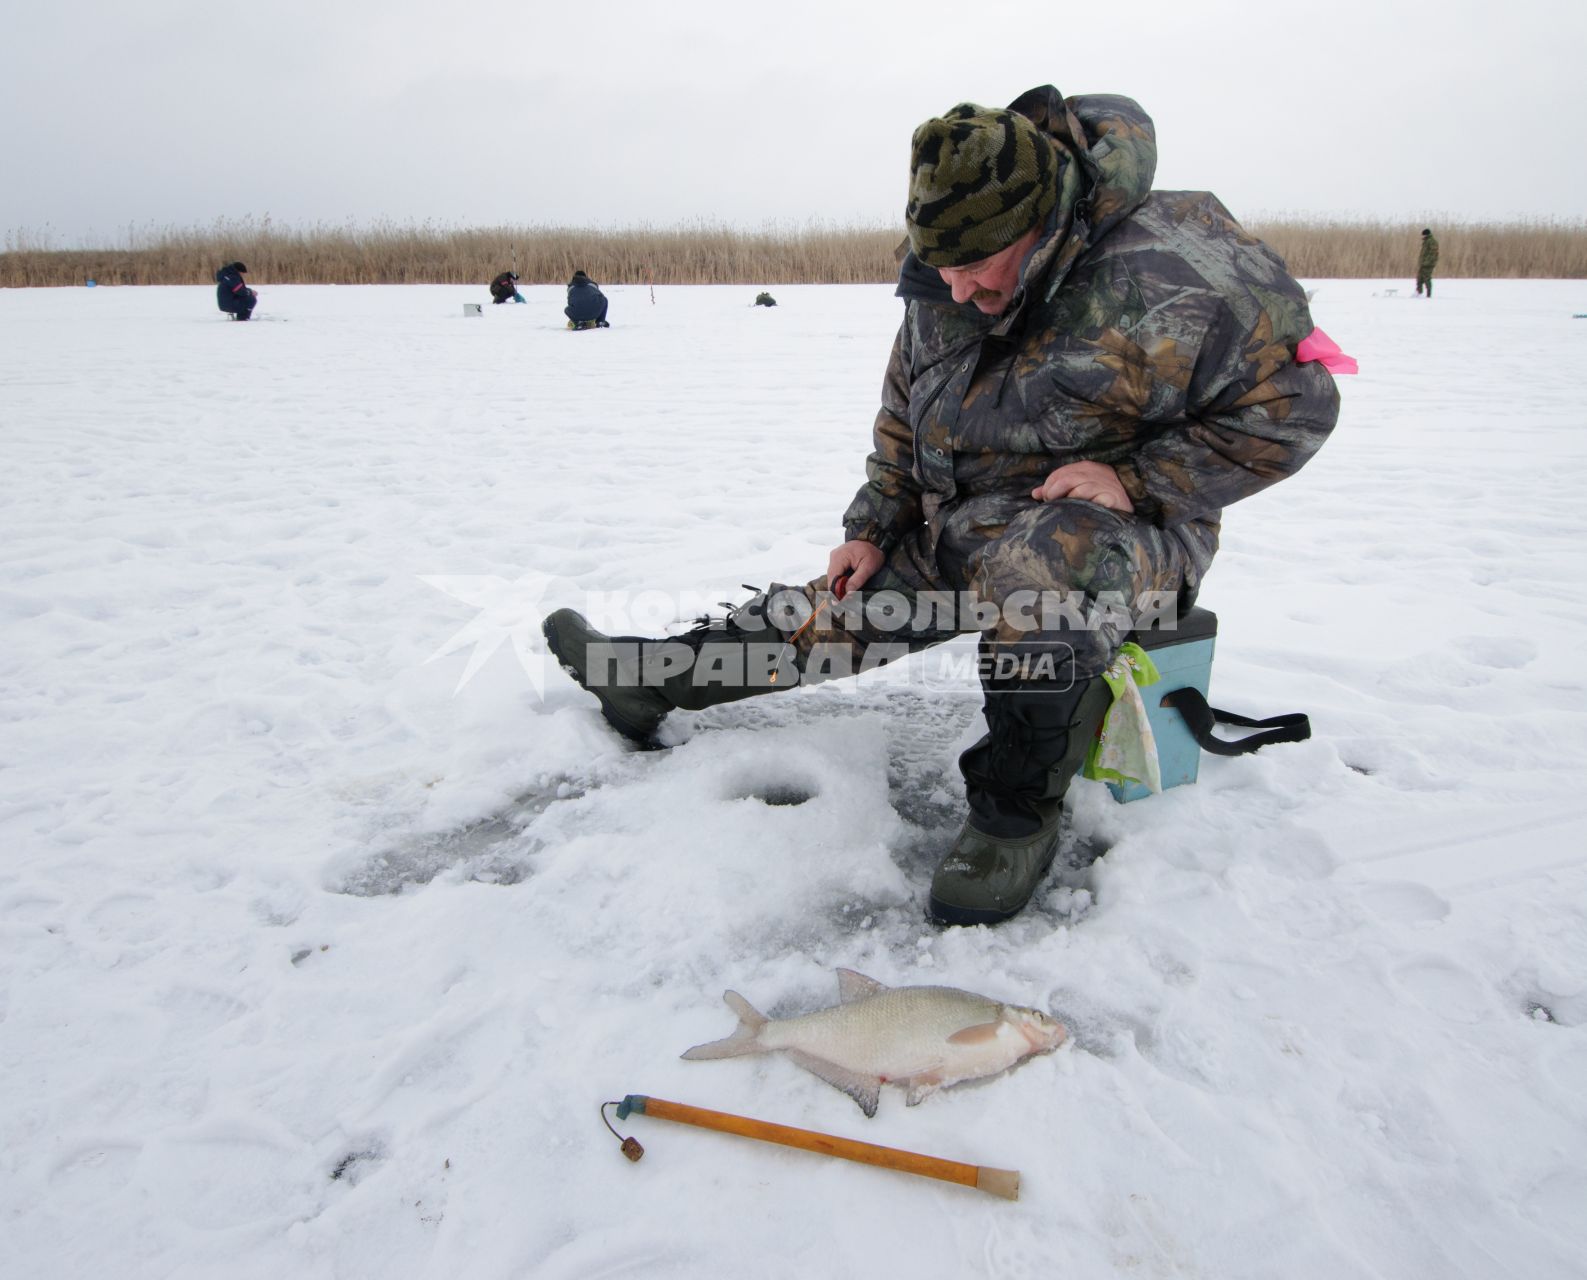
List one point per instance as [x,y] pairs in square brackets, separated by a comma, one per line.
[997,1182]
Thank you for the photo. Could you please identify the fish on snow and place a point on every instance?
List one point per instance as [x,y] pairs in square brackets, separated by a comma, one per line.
[921,1038]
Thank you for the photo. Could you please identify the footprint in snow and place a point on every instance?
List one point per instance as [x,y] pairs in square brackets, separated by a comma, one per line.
[1503,653]
[92,1171]
[1445,989]
[1405,902]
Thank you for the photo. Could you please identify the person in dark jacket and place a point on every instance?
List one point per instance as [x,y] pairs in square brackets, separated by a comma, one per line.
[1087,372]
[586,307]
[1426,260]
[504,288]
[232,294]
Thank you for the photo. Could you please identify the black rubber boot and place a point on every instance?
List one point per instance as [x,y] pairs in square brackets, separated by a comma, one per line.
[639,680]
[1015,780]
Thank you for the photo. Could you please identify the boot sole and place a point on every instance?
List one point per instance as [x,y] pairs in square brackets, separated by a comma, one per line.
[644,739]
[945,913]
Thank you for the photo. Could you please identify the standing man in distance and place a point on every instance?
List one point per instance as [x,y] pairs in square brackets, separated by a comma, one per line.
[1426,261]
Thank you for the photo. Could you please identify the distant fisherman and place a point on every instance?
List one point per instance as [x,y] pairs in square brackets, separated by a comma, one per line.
[504,288]
[1426,263]
[586,307]
[232,294]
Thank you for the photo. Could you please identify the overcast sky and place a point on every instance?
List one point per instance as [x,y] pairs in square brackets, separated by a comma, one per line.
[615,112]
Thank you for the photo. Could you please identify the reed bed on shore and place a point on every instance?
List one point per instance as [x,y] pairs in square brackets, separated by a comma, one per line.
[704,253]
[1537,249]
[427,253]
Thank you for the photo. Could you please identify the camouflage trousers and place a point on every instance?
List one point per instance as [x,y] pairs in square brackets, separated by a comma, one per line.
[1424,280]
[1052,588]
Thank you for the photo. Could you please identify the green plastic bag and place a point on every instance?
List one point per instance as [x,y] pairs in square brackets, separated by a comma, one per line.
[1126,749]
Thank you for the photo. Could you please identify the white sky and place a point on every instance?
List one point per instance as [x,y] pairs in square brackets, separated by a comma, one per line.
[615,112]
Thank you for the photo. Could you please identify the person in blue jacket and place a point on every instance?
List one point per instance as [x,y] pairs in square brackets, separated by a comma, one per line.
[586,307]
[232,294]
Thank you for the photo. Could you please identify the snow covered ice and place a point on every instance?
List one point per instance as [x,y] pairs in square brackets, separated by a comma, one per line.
[319,958]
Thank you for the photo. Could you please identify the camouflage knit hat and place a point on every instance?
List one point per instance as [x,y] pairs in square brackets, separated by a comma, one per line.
[978,181]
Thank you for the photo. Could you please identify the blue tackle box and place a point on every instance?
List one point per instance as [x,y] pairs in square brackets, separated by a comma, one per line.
[1183,657]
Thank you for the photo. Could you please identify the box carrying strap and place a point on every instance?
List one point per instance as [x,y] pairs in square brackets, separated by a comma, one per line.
[1200,719]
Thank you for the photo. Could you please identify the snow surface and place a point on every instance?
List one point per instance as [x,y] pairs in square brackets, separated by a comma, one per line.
[316,964]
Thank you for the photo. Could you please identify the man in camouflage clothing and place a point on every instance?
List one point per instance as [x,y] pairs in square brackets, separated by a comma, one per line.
[1086,373]
[1426,262]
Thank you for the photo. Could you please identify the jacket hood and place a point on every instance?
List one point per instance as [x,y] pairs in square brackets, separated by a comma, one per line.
[1111,139]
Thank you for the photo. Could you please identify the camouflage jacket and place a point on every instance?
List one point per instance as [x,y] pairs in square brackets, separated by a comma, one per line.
[1148,331]
[1429,257]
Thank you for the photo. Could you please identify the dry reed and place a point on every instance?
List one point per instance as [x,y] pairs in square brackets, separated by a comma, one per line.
[429,253]
[703,253]
[1531,249]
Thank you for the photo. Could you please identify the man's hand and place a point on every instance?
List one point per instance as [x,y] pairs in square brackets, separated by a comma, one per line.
[858,559]
[1089,481]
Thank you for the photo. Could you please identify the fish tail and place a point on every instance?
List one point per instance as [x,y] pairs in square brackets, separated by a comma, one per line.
[745,1038]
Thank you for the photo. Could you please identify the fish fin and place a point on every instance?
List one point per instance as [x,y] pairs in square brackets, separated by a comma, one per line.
[980,1033]
[922,1087]
[745,1038]
[865,1090]
[854,986]
[748,1014]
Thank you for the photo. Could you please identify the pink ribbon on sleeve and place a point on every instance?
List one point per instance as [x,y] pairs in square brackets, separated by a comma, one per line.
[1320,347]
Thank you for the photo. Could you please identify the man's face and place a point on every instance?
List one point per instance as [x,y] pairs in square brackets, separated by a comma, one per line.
[990,283]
